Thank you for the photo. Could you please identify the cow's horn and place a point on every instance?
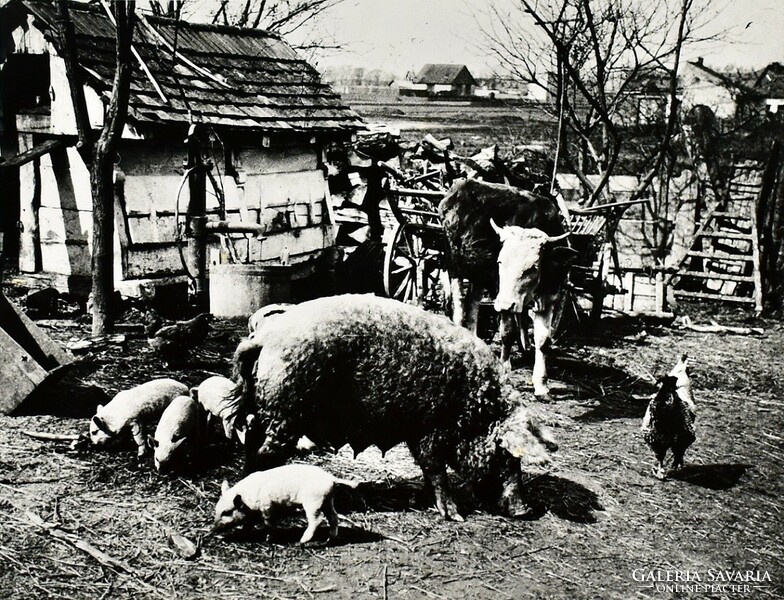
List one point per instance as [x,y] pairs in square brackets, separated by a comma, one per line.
[497,229]
[557,238]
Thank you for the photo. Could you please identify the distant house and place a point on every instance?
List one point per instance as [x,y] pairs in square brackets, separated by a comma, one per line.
[268,118]
[446,80]
[645,97]
[770,85]
[725,95]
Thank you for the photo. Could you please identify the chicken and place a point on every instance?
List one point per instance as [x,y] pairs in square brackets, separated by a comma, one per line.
[174,340]
[152,322]
[668,423]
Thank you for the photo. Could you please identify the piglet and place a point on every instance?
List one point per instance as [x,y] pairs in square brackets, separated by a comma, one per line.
[215,395]
[178,431]
[133,409]
[261,492]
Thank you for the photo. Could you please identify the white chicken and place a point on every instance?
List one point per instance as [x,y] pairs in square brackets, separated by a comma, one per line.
[668,423]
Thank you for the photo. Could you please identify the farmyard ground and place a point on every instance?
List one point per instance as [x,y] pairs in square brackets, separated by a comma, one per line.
[601,520]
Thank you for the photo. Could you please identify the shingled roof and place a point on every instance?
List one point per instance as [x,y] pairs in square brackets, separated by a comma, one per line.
[443,74]
[226,76]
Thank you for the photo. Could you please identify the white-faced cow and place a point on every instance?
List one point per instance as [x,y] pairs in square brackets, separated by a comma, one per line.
[508,242]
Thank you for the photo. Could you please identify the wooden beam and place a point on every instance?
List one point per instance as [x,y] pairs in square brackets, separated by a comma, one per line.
[22,158]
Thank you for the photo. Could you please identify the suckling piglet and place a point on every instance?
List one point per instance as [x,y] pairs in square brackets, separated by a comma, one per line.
[215,395]
[261,492]
[133,409]
[178,431]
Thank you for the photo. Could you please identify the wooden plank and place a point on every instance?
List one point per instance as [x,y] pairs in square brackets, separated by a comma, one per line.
[417,193]
[755,254]
[716,257]
[22,158]
[716,276]
[727,235]
[708,296]
[29,201]
[728,215]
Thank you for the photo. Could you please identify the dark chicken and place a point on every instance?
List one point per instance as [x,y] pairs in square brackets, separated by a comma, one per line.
[669,421]
[176,339]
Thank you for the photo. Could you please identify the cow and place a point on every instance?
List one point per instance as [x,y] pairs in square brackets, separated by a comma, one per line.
[510,243]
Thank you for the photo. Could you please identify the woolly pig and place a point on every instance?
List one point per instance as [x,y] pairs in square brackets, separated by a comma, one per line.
[178,431]
[132,409]
[215,395]
[260,493]
[364,371]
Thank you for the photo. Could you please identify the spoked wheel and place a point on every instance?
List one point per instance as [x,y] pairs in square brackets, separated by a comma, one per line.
[412,267]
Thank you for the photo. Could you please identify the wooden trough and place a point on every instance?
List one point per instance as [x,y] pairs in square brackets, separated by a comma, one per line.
[28,357]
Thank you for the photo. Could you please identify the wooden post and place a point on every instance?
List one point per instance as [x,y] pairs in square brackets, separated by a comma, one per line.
[29,202]
[197,207]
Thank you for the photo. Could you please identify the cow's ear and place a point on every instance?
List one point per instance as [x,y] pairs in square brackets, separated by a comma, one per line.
[497,229]
[563,256]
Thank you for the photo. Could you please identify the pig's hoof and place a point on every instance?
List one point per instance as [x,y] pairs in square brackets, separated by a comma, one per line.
[660,473]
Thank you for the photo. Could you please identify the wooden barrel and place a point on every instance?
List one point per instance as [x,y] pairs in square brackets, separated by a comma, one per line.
[240,290]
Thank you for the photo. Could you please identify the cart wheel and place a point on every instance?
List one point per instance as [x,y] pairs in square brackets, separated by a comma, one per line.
[412,271]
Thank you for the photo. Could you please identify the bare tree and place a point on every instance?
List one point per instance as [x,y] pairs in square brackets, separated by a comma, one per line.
[100,154]
[589,55]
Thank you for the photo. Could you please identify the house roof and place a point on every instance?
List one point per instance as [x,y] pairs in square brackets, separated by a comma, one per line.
[439,74]
[770,81]
[226,76]
[722,79]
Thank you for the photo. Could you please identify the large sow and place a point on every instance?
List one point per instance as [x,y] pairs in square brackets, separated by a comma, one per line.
[362,370]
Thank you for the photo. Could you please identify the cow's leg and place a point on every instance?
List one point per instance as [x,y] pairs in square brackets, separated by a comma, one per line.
[434,471]
[473,299]
[542,318]
[506,330]
[521,320]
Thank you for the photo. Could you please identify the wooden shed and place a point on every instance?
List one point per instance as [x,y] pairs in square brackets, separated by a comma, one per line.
[269,121]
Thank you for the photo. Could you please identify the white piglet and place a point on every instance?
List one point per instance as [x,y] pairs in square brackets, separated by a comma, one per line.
[133,409]
[261,492]
[178,432]
[215,395]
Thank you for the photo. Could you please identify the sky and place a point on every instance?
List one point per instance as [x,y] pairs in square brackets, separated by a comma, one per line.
[401,35]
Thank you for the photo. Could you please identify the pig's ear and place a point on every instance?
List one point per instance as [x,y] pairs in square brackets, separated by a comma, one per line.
[224,486]
[101,425]
[99,409]
[194,392]
[177,437]
[239,504]
[152,442]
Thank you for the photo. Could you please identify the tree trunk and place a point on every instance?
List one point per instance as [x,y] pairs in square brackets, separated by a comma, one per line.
[771,231]
[102,171]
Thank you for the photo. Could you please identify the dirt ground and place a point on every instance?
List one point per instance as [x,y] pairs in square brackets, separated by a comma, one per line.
[601,517]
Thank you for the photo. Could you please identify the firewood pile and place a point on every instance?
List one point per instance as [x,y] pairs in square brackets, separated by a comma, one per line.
[379,160]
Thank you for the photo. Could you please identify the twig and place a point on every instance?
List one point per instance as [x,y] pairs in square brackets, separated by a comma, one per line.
[51,437]
[69,538]
[243,573]
[495,589]
[427,593]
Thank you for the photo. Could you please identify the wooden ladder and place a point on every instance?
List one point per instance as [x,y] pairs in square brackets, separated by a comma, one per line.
[723,262]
